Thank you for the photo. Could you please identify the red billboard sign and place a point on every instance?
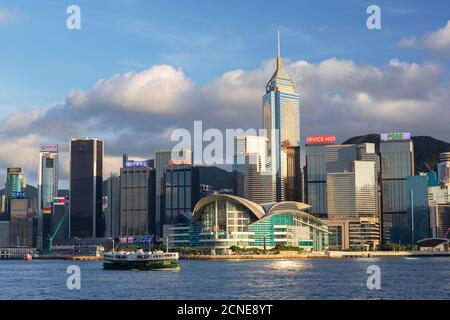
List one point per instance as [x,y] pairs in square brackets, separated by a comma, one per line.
[320,139]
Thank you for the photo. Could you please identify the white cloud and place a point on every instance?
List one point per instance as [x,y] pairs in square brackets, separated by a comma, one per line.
[438,41]
[6,15]
[155,90]
[135,112]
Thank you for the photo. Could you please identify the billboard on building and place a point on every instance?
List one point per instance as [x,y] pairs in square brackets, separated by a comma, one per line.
[49,148]
[14,170]
[320,139]
[389,136]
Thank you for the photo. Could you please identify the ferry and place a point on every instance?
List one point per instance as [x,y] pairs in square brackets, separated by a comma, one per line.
[140,260]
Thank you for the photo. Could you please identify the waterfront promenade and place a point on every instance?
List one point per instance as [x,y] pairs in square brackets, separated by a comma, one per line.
[322,254]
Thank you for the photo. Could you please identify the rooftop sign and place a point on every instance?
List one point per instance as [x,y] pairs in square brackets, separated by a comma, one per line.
[133,163]
[320,139]
[49,148]
[395,136]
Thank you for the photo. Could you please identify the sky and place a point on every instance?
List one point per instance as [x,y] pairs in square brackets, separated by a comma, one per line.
[137,70]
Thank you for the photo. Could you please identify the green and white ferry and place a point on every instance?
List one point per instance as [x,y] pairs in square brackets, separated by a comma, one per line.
[140,260]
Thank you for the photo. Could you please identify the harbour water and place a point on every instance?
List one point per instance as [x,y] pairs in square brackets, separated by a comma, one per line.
[401,278]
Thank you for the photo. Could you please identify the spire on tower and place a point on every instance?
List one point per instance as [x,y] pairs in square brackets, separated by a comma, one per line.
[279,50]
[279,60]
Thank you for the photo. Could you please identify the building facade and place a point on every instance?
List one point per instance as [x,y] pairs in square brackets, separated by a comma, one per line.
[252,179]
[417,210]
[162,160]
[397,163]
[137,200]
[112,211]
[281,121]
[181,191]
[353,199]
[444,168]
[14,188]
[47,190]
[86,177]
[316,173]
[222,221]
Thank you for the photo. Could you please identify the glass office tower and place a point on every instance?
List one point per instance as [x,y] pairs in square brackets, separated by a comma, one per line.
[252,180]
[316,174]
[14,187]
[417,225]
[397,163]
[112,212]
[86,177]
[182,191]
[353,210]
[281,120]
[162,160]
[47,191]
[137,200]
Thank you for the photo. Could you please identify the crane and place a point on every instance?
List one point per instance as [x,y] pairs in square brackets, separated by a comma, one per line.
[51,237]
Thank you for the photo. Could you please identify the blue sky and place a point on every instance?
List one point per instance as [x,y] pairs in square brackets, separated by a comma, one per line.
[209,60]
[41,60]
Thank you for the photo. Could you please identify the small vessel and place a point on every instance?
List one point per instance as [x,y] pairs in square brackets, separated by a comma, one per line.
[27,257]
[140,260]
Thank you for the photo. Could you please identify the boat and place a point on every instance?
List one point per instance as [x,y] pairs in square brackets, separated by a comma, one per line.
[140,260]
[27,257]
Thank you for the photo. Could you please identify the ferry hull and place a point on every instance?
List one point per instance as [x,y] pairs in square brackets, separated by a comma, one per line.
[140,265]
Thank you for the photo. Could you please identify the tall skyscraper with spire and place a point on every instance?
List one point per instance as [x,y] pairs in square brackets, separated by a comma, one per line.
[281,119]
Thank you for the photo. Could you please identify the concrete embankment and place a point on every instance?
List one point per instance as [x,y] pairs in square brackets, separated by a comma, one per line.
[321,254]
[63,257]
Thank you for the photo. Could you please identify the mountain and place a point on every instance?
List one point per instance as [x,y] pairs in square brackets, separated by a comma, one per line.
[426,149]
[216,177]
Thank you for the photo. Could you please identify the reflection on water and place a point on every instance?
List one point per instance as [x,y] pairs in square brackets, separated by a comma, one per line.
[290,265]
[424,278]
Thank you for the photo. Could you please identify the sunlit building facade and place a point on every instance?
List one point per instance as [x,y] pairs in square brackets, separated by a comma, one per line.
[222,221]
[353,200]
[397,163]
[47,190]
[281,120]
[252,179]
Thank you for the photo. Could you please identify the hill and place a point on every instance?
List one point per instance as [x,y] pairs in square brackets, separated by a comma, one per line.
[216,177]
[426,149]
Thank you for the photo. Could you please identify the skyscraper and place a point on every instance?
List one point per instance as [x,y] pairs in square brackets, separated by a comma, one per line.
[444,168]
[316,173]
[137,200]
[47,190]
[182,191]
[252,180]
[112,214]
[162,159]
[281,120]
[86,167]
[417,210]
[14,187]
[397,163]
[353,206]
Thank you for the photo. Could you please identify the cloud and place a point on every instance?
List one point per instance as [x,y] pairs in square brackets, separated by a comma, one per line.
[438,41]
[6,15]
[135,112]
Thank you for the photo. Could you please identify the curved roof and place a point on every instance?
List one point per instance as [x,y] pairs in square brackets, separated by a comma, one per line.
[260,211]
[256,209]
[285,205]
[432,242]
